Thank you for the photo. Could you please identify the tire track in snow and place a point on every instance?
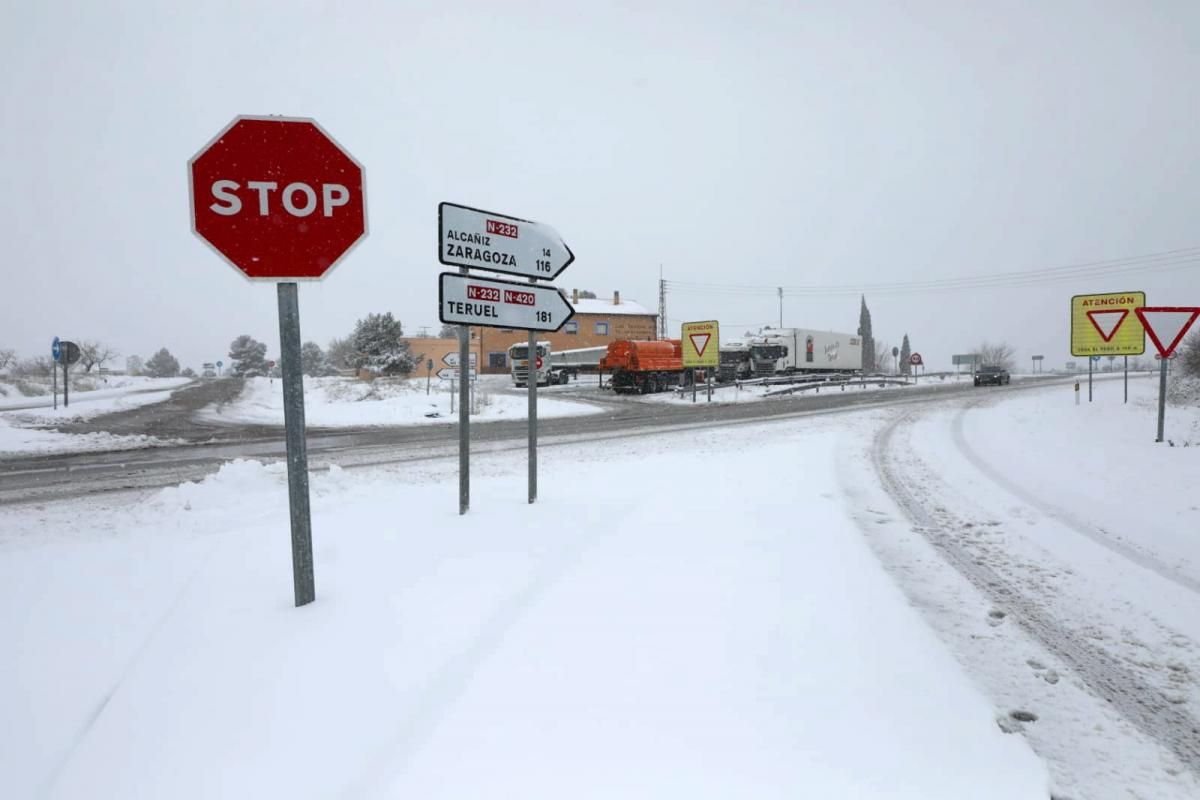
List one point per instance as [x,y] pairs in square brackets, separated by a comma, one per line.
[1143,560]
[1146,708]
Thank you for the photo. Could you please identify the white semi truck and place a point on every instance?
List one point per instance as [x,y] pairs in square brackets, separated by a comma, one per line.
[555,368]
[812,351]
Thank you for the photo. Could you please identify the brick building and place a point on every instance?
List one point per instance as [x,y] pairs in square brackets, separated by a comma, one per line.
[596,323]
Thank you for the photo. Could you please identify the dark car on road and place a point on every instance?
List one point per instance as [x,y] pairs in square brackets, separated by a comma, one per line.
[995,375]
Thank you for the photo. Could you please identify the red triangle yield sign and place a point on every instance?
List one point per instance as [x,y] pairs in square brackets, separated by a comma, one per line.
[699,341]
[1107,322]
[1167,325]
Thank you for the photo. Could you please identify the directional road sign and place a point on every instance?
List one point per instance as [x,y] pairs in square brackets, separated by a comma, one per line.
[476,239]
[452,373]
[700,342]
[451,359]
[1105,325]
[278,198]
[964,358]
[1167,325]
[56,349]
[467,300]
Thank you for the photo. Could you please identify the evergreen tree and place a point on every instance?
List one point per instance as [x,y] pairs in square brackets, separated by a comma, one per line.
[379,347]
[905,352]
[868,338]
[248,357]
[448,332]
[162,365]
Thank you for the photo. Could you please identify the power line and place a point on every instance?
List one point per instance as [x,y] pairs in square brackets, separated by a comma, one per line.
[1166,261]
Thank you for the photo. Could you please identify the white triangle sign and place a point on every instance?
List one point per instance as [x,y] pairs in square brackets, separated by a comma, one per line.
[1107,322]
[1167,326]
[699,341]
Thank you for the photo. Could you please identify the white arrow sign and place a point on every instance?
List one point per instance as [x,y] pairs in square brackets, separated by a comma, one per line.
[476,239]
[1167,325]
[467,300]
[451,359]
[451,373]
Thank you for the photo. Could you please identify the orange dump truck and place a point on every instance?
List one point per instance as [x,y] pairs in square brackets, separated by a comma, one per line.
[644,367]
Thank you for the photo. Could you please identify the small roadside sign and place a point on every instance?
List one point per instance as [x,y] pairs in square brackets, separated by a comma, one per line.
[467,300]
[915,360]
[56,349]
[1104,324]
[477,239]
[452,373]
[451,360]
[700,343]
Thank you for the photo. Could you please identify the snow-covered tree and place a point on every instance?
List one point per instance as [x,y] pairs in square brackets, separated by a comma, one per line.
[1189,355]
[134,365]
[248,357]
[162,365]
[188,372]
[448,332]
[868,338]
[378,345]
[905,354]
[312,360]
[8,357]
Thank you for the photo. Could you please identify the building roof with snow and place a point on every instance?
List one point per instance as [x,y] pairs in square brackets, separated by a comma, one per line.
[604,306]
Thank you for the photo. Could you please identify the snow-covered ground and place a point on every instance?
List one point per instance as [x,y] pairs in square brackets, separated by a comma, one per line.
[345,402]
[1055,547]
[23,425]
[660,624]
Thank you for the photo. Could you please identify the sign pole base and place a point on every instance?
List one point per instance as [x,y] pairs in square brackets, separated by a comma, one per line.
[1162,398]
[297,446]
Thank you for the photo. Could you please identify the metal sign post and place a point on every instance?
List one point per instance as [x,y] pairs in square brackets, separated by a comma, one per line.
[428,375]
[531,384]
[1162,397]
[464,421]
[297,446]
[56,353]
[1091,361]
[1126,379]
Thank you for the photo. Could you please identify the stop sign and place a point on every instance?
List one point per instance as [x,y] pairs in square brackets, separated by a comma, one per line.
[278,198]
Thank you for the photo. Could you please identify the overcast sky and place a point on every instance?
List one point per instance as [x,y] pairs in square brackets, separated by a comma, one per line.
[758,144]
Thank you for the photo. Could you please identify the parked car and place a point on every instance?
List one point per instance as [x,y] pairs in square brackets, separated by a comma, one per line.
[994,375]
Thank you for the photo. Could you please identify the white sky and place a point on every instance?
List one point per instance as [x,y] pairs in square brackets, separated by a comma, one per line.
[762,144]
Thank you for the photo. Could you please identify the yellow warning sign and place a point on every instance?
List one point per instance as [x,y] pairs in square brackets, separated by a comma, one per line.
[1106,325]
[701,344]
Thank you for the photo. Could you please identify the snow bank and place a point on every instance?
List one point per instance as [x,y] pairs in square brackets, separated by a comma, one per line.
[659,624]
[343,402]
[97,395]
[16,440]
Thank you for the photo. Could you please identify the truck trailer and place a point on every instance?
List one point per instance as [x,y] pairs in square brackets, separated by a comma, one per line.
[806,350]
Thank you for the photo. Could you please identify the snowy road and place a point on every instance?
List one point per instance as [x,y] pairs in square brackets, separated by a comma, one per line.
[36,478]
[1073,588]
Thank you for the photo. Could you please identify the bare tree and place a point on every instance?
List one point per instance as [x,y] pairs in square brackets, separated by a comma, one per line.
[1000,354]
[95,354]
[8,357]
[448,332]
[883,356]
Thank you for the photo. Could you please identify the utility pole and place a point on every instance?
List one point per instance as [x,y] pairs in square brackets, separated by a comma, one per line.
[662,305]
[780,306]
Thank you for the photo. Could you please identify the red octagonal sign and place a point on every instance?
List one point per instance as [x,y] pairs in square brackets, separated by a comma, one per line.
[278,198]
